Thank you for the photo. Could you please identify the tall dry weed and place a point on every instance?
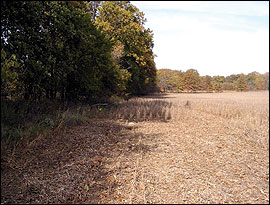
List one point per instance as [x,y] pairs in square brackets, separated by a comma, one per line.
[139,110]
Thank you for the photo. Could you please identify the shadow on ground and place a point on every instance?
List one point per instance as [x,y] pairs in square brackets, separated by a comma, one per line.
[159,96]
[74,166]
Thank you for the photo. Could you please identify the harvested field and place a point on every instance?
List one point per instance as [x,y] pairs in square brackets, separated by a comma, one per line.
[170,148]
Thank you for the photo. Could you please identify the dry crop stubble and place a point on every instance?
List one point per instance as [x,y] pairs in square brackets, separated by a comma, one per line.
[215,150]
[139,110]
[157,149]
[248,111]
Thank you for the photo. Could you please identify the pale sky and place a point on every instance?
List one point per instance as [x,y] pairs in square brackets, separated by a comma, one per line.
[215,38]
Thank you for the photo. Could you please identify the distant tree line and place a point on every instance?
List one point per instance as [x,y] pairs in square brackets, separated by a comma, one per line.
[191,81]
[75,49]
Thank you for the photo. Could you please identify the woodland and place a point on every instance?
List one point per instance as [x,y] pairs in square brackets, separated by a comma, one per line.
[74,49]
[58,54]
[86,116]
[191,81]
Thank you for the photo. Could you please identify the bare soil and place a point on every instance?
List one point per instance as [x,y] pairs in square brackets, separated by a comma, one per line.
[213,150]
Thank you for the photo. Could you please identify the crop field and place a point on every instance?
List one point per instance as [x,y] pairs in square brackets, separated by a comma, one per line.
[164,148]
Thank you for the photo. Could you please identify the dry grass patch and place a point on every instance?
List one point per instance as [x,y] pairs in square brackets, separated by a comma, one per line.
[135,110]
[177,148]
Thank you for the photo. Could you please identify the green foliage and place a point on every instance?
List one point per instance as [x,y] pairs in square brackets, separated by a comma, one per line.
[242,83]
[59,48]
[9,74]
[122,23]
[23,120]
[189,81]
[261,82]
[251,77]
[219,79]
[217,82]
[178,81]
[75,49]
[169,80]
[216,86]
[206,83]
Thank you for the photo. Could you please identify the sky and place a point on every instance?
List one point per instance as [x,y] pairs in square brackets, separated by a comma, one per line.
[213,37]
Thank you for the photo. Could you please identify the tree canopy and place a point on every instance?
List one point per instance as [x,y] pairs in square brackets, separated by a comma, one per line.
[74,49]
[91,50]
[123,25]
[191,81]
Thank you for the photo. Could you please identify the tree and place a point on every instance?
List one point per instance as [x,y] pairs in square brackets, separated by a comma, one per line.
[176,81]
[232,78]
[191,80]
[206,84]
[216,86]
[170,80]
[163,76]
[228,86]
[122,23]
[219,79]
[217,82]
[9,74]
[20,23]
[242,83]
[93,9]
[251,77]
[266,80]
[59,49]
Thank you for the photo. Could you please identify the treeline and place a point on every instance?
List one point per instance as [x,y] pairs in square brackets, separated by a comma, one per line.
[191,81]
[74,50]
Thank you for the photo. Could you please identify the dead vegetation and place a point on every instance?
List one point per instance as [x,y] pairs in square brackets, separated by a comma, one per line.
[140,110]
[179,148]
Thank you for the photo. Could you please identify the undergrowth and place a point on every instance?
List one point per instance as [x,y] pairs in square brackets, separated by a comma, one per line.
[23,122]
[28,120]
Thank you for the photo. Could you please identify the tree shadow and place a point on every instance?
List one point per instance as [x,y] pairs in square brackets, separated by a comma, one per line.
[74,166]
[158,96]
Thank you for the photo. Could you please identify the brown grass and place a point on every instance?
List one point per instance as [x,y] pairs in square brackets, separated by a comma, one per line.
[176,148]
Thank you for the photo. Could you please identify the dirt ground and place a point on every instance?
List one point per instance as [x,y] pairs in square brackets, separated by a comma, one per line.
[213,150]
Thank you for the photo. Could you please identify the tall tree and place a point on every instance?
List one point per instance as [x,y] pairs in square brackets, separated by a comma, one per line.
[242,83]
[206,84]
[191,80]
[170,80]
[266,80]
[123,25]
[9,74]
[59,49]
[251,77]
[163,76]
